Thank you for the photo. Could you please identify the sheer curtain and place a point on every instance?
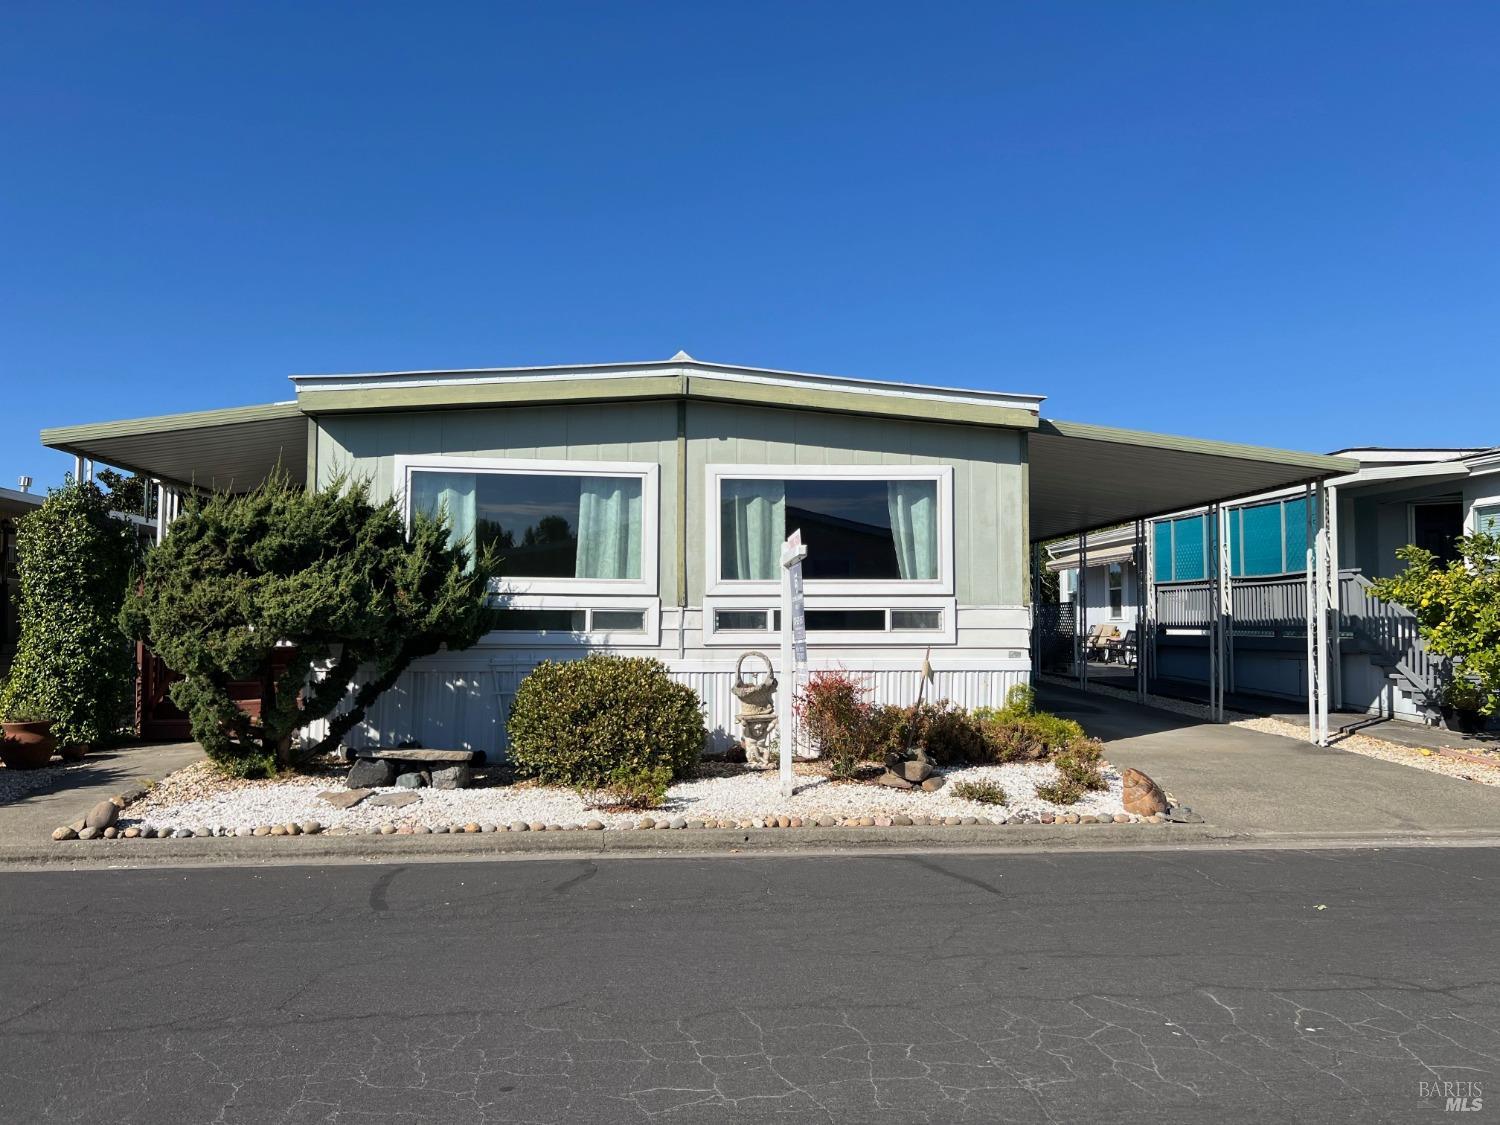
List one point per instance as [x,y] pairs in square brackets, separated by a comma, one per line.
[753,527]
[609,527]
[913,509]
[452,493]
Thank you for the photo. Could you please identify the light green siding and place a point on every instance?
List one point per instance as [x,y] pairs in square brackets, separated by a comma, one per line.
[365,445]
[988,480]
[988,465]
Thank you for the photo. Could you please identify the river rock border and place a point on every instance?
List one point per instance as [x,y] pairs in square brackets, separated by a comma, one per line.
[100,823]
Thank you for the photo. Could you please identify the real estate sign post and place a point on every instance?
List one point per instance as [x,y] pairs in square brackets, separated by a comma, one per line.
[793,649]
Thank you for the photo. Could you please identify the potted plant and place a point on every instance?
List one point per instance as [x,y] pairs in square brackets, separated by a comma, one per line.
[1463,700]
[28,741]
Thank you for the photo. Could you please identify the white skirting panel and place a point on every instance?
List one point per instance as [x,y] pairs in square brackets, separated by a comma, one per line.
[448,707]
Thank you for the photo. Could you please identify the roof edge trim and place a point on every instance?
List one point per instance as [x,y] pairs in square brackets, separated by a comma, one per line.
[1317,464]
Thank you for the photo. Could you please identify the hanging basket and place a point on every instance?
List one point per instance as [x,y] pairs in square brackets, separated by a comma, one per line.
[758,691]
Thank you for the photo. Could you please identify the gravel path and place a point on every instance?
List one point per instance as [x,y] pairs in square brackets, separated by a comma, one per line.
[1361,744]
[197,798]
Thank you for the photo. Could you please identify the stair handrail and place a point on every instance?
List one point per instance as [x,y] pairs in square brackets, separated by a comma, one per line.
[1393,629]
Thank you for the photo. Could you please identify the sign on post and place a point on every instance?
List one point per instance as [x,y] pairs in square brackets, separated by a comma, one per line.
[793,649]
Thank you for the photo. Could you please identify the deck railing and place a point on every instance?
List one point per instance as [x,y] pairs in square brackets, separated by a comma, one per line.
[1257,603]
[1280,604]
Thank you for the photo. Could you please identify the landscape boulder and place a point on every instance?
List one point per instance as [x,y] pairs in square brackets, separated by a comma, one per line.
[1142,796]
[102,816]
[916,770]
[371,773]
[415,779]
[451,777]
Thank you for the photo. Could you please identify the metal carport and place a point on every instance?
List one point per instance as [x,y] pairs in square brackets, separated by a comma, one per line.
[1086,478]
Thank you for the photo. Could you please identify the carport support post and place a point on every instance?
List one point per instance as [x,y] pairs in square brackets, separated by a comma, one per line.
[1325,571]
[1223,605]
[1215,624]
[1081,612]
[1311,611]
[1140,610]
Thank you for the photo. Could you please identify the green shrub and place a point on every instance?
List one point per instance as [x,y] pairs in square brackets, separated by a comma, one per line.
[334,574]
[73,664]
[576,722]
[985,792]
[1063,791]
[1078,773]
[1458,611]
[832,711]
[948,734]
[633,787]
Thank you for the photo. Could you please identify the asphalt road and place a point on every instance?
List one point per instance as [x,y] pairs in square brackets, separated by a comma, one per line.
[1186,987]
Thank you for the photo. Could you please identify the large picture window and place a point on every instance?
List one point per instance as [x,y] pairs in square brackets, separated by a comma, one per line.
[545,526]
[576,528]
[862,527]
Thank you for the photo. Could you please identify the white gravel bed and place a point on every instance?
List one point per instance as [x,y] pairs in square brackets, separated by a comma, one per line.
[1362,744]
[197,799]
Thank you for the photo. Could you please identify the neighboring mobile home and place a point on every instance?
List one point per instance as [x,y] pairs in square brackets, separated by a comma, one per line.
[640,509]
[1427,497]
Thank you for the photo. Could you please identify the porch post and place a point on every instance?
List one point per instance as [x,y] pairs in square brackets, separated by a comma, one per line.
[161,512]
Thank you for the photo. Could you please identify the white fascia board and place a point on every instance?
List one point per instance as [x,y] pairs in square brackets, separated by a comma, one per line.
[15,495]
[726,372]
[1403,456]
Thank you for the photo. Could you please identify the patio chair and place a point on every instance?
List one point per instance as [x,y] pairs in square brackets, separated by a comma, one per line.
[1122,651]
[1099,640]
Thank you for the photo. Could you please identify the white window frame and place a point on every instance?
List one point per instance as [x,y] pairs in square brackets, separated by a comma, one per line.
[893,590]
[1111,572]
[648,472]
[1476,511]
[946,634]
[650,638]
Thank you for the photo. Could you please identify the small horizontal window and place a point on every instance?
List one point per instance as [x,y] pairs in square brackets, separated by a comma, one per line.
[541,620]
[846,621]
[619,621]
[908,619]
[741,620]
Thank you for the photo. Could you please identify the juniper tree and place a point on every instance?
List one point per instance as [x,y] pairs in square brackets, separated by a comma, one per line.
[331,576]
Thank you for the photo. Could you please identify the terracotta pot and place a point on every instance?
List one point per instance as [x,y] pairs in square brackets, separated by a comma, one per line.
[27,746]
[75,752]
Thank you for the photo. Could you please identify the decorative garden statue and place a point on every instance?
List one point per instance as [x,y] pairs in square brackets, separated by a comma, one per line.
[757,713]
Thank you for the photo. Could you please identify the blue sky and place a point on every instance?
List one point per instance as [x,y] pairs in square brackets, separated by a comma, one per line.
[1273,223]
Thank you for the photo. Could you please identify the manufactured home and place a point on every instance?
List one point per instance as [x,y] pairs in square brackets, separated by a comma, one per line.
[640,509]
[1158,581]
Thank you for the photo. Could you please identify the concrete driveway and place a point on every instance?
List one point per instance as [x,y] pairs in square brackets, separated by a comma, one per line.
[1269,787]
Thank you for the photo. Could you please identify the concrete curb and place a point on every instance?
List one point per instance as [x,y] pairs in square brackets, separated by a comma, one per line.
[301,849]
